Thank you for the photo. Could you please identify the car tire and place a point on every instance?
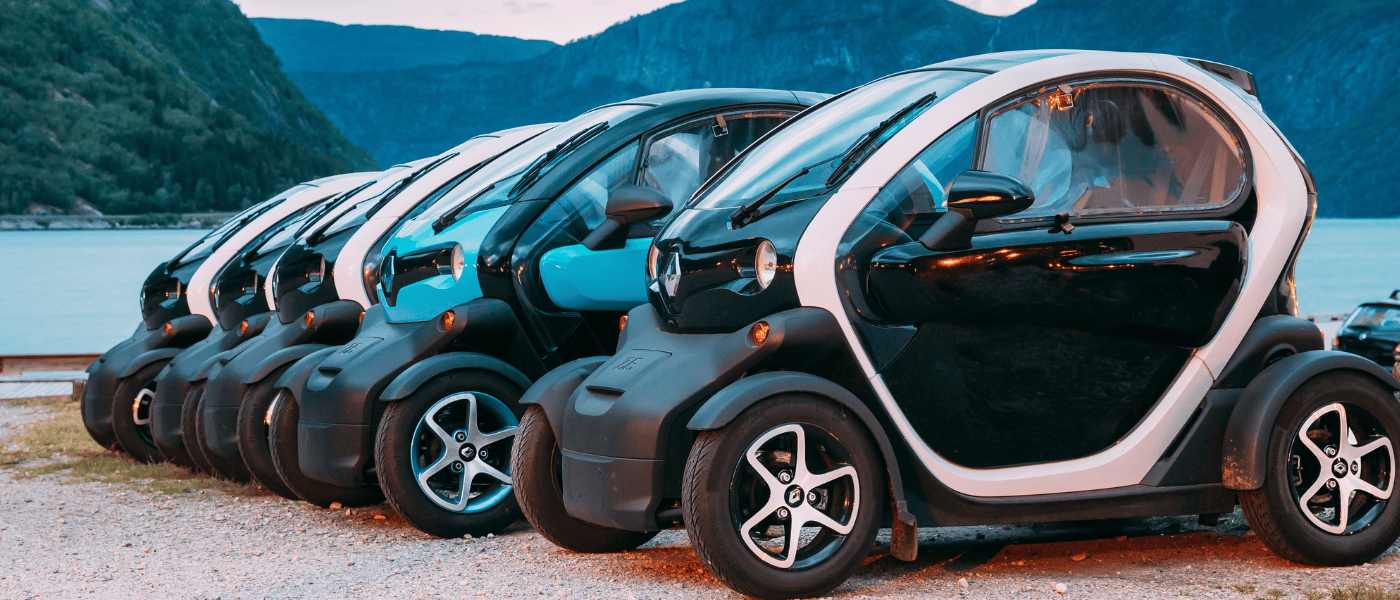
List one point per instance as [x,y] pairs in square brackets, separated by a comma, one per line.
[282,445]
[726,498]
[189,416]
[254,416]
[419,467]
[538,488]
[231,469]
[131,414]
[178,456]
[1297,512]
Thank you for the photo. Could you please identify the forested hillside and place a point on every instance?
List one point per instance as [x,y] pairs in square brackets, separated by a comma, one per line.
[151,106]
[304,45]
[1327,69]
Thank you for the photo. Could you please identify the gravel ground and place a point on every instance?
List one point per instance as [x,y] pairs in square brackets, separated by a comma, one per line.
[65,539]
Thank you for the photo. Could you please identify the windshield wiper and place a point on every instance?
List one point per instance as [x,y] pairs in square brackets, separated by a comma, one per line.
[741,216]
[535,170]
[450,216]
[866,144]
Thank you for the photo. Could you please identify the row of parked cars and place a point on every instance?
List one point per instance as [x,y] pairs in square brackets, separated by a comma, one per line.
[1019,287]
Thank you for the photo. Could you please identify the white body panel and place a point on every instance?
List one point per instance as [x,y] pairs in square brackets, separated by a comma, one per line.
[350,286]
[1282,208]
[197,293]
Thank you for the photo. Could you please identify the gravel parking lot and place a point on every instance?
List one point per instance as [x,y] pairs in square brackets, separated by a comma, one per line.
[65,533]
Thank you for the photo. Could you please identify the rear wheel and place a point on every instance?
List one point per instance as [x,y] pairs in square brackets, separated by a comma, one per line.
[784,502]
[535,469]
[282,444]
[443,454]
[131,414]
[232,469]
[1330,474]
[254,416]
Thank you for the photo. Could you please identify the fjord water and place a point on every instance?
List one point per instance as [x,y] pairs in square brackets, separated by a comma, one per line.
[76,291]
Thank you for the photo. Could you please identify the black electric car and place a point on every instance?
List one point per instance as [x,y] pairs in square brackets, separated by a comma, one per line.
[318,288]
[175,314]
[527,265]
[1373,331]
[1031,286]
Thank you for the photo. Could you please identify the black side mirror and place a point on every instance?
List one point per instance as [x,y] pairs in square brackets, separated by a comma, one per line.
[627,204]
[972,196]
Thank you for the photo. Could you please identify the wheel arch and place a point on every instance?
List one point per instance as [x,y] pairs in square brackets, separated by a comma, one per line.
[279,358]
[552,392]
[425,370]
[1245,449]
[727,404]
[147,358]
[295,377]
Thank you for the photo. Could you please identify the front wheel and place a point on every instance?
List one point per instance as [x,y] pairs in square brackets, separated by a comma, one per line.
[535,466]
[784,502]
[282,444]
[254,416]
[131,414]
[443,454]
[231,469]
[1330,474]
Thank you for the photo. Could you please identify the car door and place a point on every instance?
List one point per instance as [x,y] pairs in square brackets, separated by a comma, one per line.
[1056,332]
[567,284]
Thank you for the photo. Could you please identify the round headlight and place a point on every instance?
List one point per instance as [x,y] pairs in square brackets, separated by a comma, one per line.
[765,264]
[459,262]
[652,255]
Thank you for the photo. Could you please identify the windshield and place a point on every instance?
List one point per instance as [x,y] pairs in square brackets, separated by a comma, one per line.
[492,184]
[1375,316]
[288,229]
[375,197]
[205,246]
[819,140]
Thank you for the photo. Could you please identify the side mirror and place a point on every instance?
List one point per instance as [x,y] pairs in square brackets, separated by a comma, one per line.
[972,196]
[627,204]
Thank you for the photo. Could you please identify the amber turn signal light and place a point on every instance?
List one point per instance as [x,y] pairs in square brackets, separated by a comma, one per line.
[243,328]
[759,333]
[447,319]
[167,329]
[622,323]
[309,318]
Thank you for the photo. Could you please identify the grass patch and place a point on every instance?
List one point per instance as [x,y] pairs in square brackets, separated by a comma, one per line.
[61,446]
[1360,591]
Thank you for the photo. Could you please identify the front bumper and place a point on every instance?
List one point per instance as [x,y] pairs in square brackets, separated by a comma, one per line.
[623,432]
[104,374]
[174,382]
[223,395]
[339,404]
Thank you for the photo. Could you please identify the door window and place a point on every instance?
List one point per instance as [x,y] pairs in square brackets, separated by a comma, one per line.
[679,160]
[1113,147]
[587,198]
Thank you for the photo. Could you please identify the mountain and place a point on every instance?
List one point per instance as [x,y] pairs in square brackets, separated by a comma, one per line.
[1325,68]
[138,106]
[304,45]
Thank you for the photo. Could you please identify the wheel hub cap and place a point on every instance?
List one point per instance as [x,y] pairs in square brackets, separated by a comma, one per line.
[468,453]
[448,452]
[794,496]
[1354,470]
[1339,468]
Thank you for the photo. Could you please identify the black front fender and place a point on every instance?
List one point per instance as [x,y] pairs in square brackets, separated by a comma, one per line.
[294,378]
[552,391]
[1245,452]
[279,358]
[147,358]
[422,371]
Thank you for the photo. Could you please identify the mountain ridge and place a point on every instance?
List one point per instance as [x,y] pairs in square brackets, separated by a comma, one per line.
[1325,68]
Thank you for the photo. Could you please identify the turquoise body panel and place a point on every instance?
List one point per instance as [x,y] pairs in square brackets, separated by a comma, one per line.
[577,278]
[429,298]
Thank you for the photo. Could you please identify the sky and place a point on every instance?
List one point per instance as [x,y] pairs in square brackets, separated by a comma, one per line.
[554,20]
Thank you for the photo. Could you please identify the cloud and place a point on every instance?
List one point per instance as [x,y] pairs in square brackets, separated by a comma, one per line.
[517,8]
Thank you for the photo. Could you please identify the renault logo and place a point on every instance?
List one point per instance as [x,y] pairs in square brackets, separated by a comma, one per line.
[671,275]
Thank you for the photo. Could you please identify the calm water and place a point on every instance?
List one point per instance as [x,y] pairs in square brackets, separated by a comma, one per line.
[76,291]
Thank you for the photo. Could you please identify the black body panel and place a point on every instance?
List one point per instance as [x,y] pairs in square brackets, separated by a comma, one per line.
[174,380]
[1269,339]
[305,276]
[1037,347]
[717,290]
[104,373]
[334,324]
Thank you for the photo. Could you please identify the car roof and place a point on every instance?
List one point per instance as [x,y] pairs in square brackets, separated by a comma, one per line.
[725,96]
[999,61]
